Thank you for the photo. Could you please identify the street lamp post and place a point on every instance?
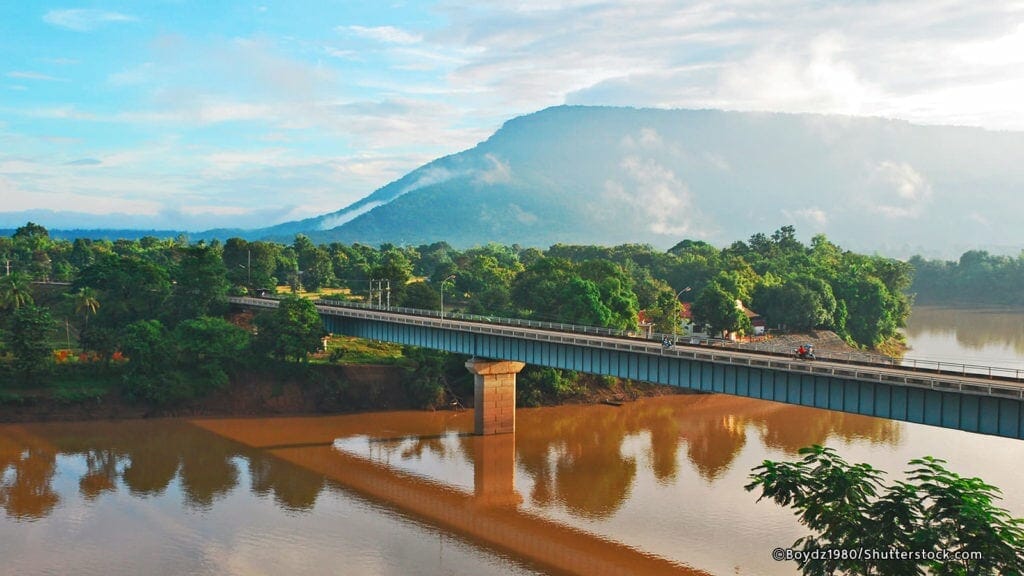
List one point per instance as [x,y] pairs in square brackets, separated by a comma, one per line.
[450,277]
[675,321]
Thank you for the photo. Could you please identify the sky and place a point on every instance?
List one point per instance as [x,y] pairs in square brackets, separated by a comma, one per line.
[189,115]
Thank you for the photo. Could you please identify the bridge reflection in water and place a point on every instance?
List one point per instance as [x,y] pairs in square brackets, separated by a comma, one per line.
[653,486]
[488,514]
[577,464]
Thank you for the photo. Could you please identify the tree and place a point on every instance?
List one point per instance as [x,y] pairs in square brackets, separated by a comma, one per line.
[207,340]
[718,309]
[616,292]
[145,344]
[315,263]
[536,290]
[848,508]
[201,284]
[291,331]
[665,311]
[395,267]
[422,295]
[14,291]
[791,305]
[207,347]
[86,303]
[28,339]
[318,271]
[130,288]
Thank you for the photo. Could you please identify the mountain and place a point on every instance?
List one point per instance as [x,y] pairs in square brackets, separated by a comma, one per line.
[597,175]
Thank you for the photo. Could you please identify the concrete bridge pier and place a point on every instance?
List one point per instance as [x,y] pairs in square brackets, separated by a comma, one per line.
[494,395]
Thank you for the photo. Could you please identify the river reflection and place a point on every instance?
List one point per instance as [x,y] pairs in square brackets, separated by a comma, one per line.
[653,486]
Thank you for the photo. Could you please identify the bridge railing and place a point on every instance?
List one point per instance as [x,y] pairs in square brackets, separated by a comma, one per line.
[852,358]
[717,355]
[906,363]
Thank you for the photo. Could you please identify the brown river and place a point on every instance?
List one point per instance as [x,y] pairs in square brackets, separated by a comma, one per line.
[650,487]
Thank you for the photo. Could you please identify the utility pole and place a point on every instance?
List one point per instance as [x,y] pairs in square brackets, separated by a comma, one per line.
[450,277]
[382,285]
[8,262]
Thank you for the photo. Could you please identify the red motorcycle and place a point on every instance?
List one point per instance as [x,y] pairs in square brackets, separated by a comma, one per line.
[804,352]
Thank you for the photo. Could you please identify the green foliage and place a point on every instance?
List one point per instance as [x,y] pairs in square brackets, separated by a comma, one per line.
[144,344]
[717,308]
[425,384]
[129,287]
[292,331]
[188,362]
[848,507]
[314,262]
[200,283]
[86,303]
[594,293]
[422,295]
[209,341]
[791,305]
[27,338]
[976,278]
[396,267]
[535,384]
[251,264]
[15,291]
[664,313]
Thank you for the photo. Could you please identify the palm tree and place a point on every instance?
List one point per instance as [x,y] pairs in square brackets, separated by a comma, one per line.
[15,291]
[86,302]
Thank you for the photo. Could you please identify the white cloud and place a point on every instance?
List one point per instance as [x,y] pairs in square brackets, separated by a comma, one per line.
[815,217]
[84,20]
[799,56]
[818,79]
[216,210]
[900,190]
[26,75]
[1004,50]
[498,171]
[656,196]
[17,200]
[386,34]
[347,216]
[647,138]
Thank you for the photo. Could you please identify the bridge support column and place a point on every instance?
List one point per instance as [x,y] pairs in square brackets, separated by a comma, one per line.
[494,395]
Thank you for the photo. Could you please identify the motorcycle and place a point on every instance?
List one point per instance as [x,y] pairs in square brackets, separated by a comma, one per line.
[804,352]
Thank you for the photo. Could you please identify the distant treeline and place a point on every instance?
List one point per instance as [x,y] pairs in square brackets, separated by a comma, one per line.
[976,278]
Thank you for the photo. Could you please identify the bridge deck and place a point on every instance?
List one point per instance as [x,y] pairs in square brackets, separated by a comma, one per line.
[903,376]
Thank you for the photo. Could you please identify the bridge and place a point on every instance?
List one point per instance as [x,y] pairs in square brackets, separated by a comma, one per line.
[991,402]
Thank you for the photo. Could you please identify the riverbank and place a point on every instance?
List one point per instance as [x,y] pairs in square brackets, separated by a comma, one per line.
[312,389]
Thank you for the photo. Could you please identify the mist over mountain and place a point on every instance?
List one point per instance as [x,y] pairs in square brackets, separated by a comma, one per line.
[596,175]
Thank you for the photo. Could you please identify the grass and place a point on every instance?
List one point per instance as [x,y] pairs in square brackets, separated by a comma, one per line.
[81,395]
[322,293]
[361,351]
[68,384]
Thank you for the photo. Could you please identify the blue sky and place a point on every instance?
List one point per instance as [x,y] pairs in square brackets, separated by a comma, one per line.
[191,115]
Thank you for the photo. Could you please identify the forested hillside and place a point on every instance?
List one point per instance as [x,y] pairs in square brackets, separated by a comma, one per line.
[600,175]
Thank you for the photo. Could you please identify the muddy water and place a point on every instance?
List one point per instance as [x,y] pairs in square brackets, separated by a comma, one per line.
[651,487]
[975,336]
